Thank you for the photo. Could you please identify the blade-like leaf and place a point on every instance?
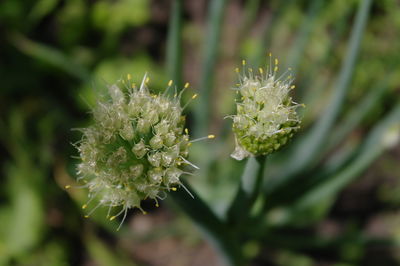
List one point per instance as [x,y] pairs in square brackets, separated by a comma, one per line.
[212,40]
[51,56]
[267,34]
[209,223]
[376,142]
[299,44]
[307,149]
[356,115]
[174,44]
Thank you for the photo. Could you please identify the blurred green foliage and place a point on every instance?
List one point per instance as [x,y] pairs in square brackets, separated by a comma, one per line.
[56,56]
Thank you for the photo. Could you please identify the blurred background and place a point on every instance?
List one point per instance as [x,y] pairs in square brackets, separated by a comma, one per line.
[57,55]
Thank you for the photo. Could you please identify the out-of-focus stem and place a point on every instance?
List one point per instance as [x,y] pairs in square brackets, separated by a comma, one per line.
[212,39]
[174,44]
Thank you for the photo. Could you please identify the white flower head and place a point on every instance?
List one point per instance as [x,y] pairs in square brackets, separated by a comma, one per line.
[135,149]
[266,116]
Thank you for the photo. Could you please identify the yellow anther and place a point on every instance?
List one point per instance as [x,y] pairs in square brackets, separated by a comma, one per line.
[129,76]
[261,70]
[250,70]
[254,88]
[211,136]
[186,85]
[276,69]
[147,80]
[244,62]
[293,86]
[157,205]
[144,212]
[276,61]
[112,218]
[173,189]
[86,216]
[84,206]
[303,105]
[189,144]
[270,54]
[133,85]
[289,68]
[237,70]
[170,83]
[194,96]
[67,186]
[186,131]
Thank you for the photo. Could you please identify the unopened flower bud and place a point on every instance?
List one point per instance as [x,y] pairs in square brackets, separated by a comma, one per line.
[156,142]
[266,116]
[136,170]
[139,149]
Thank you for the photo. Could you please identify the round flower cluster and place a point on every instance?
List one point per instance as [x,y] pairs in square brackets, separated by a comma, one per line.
[136,148]
[266,115]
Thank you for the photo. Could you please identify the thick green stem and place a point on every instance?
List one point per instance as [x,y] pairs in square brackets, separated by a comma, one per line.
[214,229]
[248,191]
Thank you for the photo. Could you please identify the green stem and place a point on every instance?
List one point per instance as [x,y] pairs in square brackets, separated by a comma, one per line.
[248,191]
[174,44]
[202,111]
[216,232]
[195,208]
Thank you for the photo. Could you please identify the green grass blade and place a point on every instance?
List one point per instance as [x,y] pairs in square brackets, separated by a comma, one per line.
[308,148]
[356,115]
[311,95]
[174,44]
[250,14]
[377,141]
[300,42]
[266,37]
[202,108]
[50,56]
[209,224]
[305,241]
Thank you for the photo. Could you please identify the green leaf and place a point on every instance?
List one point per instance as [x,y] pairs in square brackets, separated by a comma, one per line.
[381,137]
[25,221]
[41,9]
[356,115]
[50,56]
[299,44]
[307,149]
[103,255]
[174,44]
[267,34]
[212,41]
[217,232]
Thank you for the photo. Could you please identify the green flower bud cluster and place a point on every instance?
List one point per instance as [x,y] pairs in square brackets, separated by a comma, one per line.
[136,148]
[266,115]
